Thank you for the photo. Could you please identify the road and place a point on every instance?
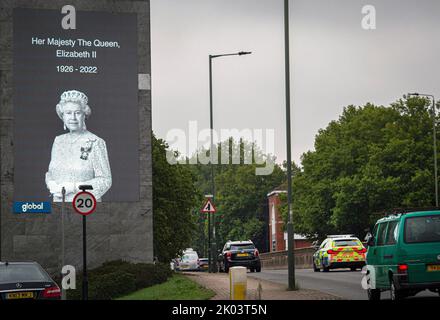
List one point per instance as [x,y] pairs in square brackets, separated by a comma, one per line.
[342,283]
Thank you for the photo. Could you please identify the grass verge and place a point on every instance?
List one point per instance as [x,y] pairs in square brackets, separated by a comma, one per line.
[178,287]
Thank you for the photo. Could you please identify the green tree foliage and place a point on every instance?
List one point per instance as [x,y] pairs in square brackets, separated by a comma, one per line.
[241,195]
[174,197]
[371,159]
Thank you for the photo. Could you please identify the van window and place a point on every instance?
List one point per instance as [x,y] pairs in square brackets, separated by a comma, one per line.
[376,228]
[422,229]
[381,235]
[392,233]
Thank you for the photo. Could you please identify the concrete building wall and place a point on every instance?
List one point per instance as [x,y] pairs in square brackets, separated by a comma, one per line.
[118,230]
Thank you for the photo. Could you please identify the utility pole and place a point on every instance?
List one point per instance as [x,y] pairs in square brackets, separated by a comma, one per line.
[213,245]
[63,208]
[290,231]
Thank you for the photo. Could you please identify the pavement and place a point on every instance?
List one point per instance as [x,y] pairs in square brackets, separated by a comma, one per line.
[257,289]
[343,283]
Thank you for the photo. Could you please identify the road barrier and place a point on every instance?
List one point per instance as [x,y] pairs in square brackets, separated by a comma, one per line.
[238,283]
[278,259]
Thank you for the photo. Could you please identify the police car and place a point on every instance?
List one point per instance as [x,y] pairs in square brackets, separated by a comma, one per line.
[339,251]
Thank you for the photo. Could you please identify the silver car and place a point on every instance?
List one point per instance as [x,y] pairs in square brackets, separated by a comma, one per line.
[189,261]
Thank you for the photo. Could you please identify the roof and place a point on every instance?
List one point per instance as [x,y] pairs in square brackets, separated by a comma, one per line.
[239,242]
[276,192]
[282,188]
[418,213]
[348,238]
[342,237]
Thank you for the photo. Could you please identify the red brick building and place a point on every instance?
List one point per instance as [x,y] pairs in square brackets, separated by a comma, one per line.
[277,235]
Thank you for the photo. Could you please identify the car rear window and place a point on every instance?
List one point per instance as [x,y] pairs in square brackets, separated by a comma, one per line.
[21,273]
[242,246]
[422,229]
[189,257]
[347,243]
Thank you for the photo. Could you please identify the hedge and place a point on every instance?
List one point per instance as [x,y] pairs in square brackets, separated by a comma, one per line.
[117,278]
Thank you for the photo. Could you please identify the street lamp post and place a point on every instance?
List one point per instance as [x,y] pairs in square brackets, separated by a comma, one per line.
[290,231]
[434,140]
[212,246]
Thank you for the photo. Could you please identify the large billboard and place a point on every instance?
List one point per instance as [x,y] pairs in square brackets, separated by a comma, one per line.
[76,114]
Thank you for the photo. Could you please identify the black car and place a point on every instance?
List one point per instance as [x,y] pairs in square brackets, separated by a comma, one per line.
[26,280]
[239,253]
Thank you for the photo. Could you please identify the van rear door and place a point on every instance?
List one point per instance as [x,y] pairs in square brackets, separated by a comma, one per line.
[421,248]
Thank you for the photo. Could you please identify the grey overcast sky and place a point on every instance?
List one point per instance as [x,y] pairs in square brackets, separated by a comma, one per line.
[334,62]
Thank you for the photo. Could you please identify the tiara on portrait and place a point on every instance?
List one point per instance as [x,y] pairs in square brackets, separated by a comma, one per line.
[74,95]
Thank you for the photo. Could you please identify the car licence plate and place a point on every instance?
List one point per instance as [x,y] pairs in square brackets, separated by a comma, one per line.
[433,267]
[242,254]
[20,295]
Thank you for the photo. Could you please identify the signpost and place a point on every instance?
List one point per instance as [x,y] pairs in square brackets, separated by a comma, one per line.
[84,203]
[209,208]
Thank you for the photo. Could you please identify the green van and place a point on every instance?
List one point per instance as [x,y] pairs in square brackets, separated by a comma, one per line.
[404,255]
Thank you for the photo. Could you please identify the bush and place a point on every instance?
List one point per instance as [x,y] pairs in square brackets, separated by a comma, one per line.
[116,278]
[112,285]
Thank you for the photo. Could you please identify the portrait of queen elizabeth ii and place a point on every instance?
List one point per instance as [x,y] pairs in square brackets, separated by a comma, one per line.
[78,157]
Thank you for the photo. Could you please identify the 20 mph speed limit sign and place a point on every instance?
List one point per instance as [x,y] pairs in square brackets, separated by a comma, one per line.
[84,203]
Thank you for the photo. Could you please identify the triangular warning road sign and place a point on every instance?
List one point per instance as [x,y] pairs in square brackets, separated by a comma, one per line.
[208,207]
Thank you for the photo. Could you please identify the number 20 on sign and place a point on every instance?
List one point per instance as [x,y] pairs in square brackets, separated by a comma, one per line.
[84,203]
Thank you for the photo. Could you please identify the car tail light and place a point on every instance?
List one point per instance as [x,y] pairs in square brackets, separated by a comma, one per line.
[363,250]
[332,251]
[52,292]
[256,253]
[402,268]
[228,255]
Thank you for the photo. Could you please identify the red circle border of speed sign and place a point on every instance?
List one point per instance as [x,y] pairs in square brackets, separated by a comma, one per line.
[77,210]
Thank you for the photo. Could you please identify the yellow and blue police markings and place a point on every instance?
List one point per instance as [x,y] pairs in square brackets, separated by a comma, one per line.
[332,256]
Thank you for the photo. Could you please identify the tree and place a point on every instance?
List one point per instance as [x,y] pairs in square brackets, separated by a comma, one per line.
[174,197]
[373,158]
[241,195]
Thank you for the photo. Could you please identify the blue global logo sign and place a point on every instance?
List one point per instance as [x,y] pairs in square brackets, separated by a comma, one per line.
[32,207]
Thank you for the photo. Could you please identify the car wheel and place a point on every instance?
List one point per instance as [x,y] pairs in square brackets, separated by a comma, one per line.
[315,268]
[395,294]
[324,268]
[373,294]
[252,269]
[226,268]
[258,269]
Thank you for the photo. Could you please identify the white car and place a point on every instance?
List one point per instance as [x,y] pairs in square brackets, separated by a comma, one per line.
[189,261]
